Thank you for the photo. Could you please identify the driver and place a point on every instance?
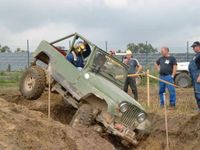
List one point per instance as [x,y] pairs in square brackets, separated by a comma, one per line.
[80,51]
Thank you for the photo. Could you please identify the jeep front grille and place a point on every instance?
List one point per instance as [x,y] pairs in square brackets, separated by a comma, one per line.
[130,116]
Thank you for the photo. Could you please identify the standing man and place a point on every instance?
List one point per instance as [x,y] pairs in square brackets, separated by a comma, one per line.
[166,65]
[134,68]
[194,69]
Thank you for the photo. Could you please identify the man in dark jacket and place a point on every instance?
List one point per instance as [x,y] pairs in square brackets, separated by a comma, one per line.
[194,69]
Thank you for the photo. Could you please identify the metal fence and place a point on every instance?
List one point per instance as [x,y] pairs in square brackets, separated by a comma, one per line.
[19,61]
[14,61]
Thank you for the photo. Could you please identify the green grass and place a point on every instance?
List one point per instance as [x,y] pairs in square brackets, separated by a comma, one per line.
[151,81]
[9,78]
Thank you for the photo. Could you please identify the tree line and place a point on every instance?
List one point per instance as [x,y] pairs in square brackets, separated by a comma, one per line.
[141,48]
[135,48]
[6,49]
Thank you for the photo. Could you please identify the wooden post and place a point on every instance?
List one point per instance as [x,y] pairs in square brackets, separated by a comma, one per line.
[148,89]
[49,91]
[166,123]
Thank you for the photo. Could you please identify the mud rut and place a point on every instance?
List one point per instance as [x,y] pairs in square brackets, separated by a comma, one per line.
[184,130]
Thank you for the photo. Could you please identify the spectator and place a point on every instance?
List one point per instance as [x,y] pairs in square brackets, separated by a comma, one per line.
[166,65]
[194,69]
[134,68]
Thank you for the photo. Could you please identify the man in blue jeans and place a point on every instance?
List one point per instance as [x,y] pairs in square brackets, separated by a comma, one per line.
[194,69]
[166,65]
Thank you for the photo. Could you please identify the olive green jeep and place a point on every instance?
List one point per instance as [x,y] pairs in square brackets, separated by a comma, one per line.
[96,91]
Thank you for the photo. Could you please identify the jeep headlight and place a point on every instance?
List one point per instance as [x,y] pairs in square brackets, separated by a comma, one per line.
[141,117]
[123,107]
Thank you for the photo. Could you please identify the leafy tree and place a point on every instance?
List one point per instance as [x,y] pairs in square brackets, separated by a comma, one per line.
[4,49]
[19,50]
[119,51]
[141,48]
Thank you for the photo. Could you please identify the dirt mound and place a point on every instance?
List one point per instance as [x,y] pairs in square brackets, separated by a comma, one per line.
[22,128]
[60,111]
[25,126]
[184,133]
[189,133]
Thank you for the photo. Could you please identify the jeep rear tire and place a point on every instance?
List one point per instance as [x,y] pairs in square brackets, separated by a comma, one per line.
[33,83]
[83,116]
[183,80]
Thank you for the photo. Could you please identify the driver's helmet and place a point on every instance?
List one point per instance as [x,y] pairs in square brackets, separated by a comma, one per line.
[80,47]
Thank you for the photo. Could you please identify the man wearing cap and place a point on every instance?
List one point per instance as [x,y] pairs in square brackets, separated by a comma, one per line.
[134,68]
[194,69]
[166,65]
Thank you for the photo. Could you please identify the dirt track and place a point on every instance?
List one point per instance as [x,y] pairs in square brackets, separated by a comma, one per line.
[26,126]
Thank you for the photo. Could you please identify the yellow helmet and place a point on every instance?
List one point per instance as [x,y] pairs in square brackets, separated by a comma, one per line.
[80,46]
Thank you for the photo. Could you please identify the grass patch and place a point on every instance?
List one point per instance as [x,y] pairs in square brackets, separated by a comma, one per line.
[151,81]
[10,78]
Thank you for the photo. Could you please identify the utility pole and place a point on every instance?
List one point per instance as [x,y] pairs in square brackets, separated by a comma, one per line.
[106,44]
[69,44]
[187,51]
[27,44]
[146,54]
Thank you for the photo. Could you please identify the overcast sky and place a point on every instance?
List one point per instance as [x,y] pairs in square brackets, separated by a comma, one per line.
[160,22]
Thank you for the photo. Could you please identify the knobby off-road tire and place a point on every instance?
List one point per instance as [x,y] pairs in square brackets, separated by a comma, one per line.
[33,83]
[84,116]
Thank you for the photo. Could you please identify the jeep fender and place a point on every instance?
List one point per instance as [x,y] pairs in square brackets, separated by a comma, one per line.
[100,103]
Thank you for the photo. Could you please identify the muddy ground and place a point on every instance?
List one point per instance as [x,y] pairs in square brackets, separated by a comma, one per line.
[24,124]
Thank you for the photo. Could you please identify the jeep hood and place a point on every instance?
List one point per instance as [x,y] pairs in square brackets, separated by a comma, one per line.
[112,91]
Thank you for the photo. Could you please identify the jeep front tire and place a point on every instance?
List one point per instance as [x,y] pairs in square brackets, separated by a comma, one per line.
[84,116]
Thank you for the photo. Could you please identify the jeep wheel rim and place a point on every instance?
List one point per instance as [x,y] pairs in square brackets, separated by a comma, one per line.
[29,83]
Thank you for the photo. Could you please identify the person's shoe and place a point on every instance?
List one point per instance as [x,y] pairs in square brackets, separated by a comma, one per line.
[172,107]
[198,108]
[161,106]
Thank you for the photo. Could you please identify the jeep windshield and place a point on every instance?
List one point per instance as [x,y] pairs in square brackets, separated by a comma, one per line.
[110,68]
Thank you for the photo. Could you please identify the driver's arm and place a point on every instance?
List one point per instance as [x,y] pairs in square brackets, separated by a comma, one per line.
[70,57]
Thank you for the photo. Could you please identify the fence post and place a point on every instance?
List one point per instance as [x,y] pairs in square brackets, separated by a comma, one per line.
[28,54]
[148,89]
[9,68]
[146,55]
[187,51]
